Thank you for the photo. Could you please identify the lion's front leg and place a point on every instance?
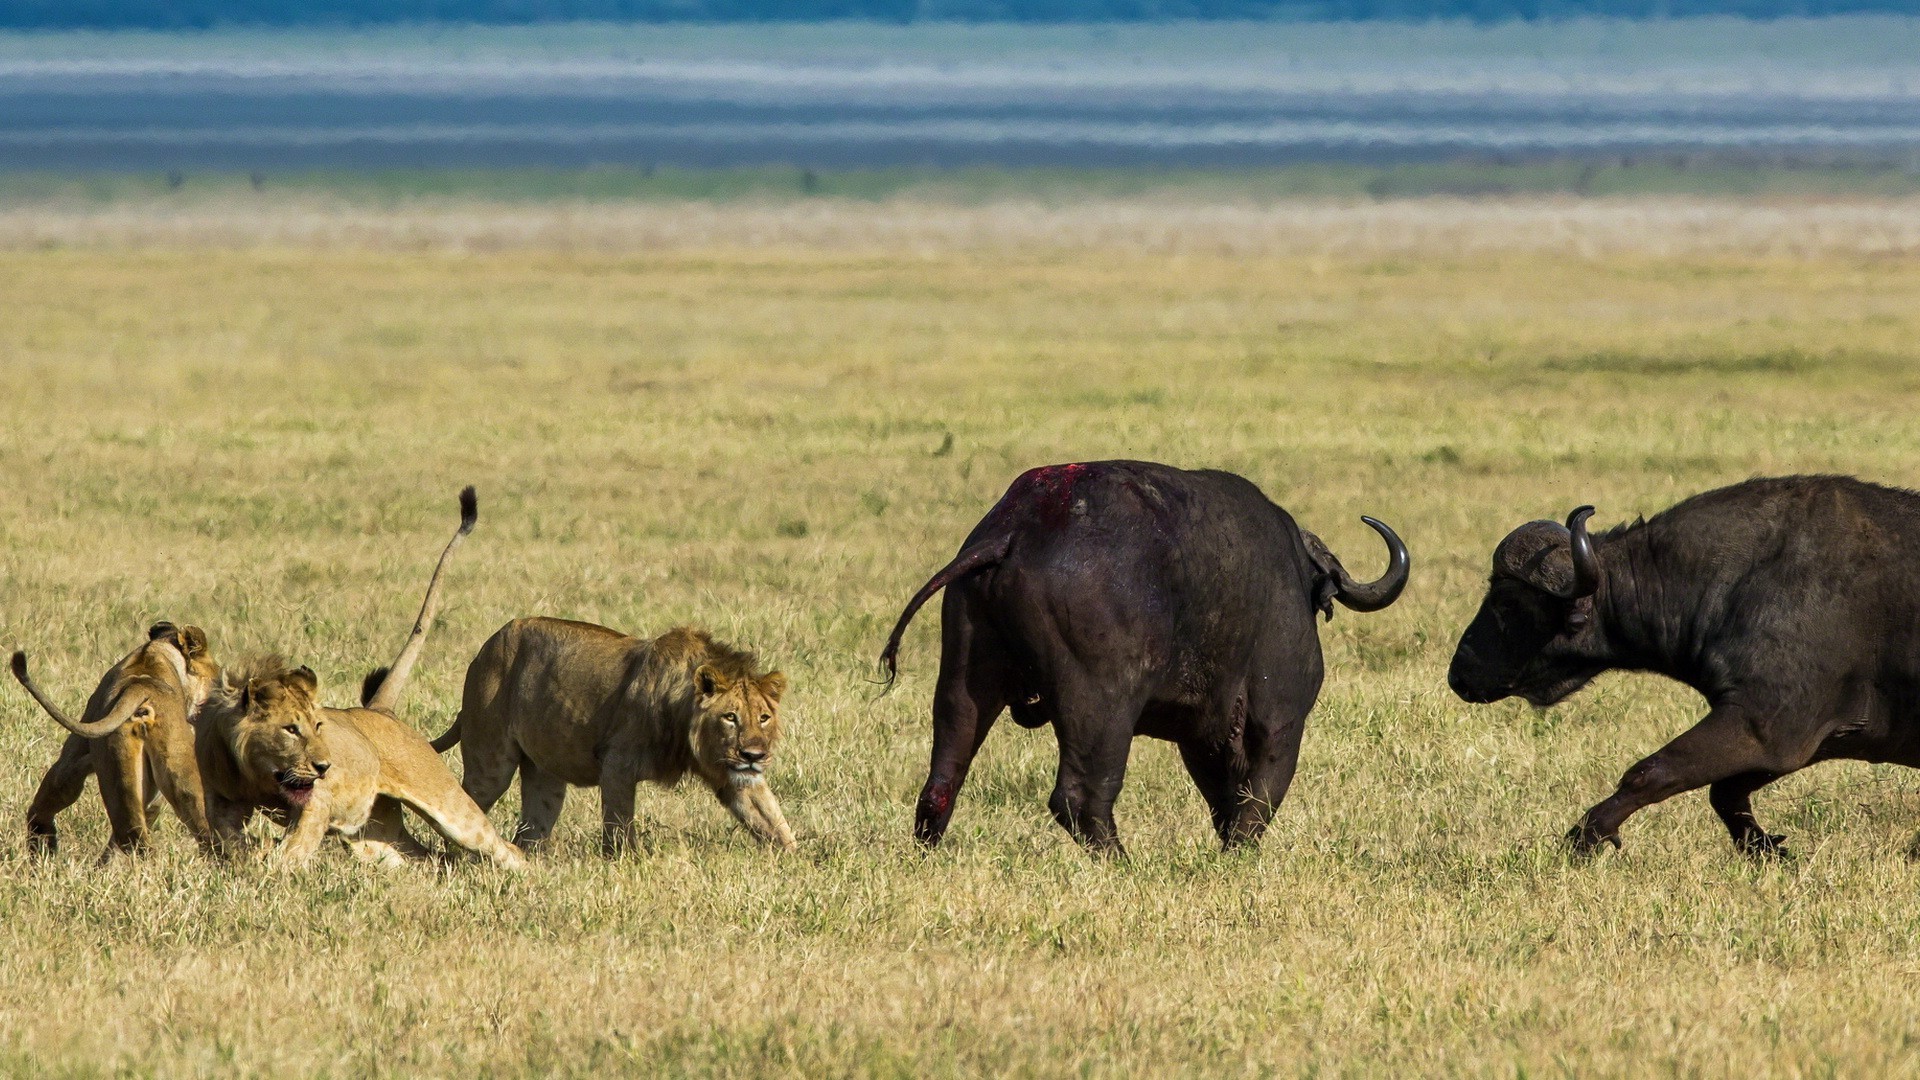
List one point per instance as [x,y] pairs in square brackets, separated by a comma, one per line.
[752,802]
[309,829]
[227,821]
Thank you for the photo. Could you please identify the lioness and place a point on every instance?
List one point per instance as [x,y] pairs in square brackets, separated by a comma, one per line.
[136,735]
[566,702]
[266,745]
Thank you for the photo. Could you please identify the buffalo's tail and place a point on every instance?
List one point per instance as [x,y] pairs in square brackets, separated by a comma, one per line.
[972,559]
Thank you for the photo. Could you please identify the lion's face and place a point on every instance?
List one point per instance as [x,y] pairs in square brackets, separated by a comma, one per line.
[279,737]
[736,722]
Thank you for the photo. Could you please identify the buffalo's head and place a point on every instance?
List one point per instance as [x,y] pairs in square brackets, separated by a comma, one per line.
[1531,634]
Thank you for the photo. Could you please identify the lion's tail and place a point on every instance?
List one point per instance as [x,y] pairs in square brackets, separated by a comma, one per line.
[386,693]
[974,558]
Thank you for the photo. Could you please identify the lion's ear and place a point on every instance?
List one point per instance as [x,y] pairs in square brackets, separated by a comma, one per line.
[304,676]
[773,684]
[193,642]
[709,681]
[163,630]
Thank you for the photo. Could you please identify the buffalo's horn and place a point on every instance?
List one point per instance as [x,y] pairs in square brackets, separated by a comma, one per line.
[1374,595]
[1586,566]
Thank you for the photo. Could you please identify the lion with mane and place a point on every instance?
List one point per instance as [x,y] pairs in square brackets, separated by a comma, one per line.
[265,744]
[564,702]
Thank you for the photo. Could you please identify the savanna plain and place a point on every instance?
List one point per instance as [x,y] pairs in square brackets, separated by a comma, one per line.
[775,419]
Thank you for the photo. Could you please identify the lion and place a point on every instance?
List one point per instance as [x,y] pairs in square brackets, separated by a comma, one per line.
[265,744]
[136,735]
[268,745]
[565,702]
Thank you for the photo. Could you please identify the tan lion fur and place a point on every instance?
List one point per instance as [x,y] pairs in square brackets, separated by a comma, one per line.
[136,735]
[564,702]
[266,745]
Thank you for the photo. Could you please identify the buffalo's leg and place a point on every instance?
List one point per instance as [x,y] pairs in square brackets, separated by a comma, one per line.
[1719,747]
[60,788]
[1211,766]
[1273,752]
[1095,729]
[1732,799]
[967,699]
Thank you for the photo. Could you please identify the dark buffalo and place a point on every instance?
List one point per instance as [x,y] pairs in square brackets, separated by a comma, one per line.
[1792,605]
[1122,598]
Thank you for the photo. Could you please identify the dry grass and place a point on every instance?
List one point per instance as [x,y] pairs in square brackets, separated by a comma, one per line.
[736,417]
[906,227]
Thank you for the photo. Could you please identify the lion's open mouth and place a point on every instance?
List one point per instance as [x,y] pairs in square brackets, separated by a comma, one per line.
[295,789]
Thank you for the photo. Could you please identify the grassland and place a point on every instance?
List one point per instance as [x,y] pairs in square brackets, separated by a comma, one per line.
[775,420]
[1744,175]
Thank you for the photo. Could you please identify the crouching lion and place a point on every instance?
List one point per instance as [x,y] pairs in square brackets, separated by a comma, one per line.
[266,745]
[566,702]
[136,735]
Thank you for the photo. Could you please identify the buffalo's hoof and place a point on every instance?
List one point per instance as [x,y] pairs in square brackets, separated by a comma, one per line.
[42,840]
[1584,840]
[1764,845]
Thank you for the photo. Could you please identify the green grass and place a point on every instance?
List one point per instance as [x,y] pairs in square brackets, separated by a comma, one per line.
[1598,176]
[780,443]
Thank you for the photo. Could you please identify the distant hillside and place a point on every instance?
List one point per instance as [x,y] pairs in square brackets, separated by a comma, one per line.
[177,14]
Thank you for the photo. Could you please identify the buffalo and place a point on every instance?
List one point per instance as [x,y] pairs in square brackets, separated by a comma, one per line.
[1120,598]
[1791,604]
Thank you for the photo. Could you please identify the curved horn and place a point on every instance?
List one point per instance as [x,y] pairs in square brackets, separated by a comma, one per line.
[123,709]
[1586,565]
[1374,595]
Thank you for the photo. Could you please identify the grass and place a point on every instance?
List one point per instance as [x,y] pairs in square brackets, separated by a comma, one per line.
[775,421]
[1592,176]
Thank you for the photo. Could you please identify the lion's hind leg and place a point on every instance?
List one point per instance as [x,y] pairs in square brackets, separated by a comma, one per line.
[385,839]
[60,788]
[124,789]
[436,797]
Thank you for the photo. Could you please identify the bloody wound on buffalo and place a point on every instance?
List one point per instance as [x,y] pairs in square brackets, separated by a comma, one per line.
[1122,598]
[1792,605]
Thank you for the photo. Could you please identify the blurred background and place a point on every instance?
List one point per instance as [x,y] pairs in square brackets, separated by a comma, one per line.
[697,97]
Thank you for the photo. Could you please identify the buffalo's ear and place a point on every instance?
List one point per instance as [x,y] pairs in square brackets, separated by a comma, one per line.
[1326,577]
[773,684]
[709,681]
[303,676]
[193,642]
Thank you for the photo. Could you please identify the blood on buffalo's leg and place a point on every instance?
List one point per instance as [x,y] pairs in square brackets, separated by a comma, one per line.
[1732,799]
[967,699]
[1719,747]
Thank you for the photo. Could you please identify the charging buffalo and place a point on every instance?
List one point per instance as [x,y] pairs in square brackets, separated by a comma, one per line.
[1122,598]
[1792,605]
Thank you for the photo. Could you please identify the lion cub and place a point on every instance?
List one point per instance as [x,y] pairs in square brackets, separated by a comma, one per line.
[566,702]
